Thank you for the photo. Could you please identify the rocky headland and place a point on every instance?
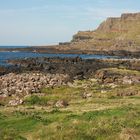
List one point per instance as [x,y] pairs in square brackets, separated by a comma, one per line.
[113,35]
[74,67]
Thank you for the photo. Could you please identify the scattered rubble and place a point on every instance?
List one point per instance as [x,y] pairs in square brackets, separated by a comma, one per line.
[15,102]
[26,83]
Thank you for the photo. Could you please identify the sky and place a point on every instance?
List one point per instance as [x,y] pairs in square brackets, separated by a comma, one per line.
[42,22]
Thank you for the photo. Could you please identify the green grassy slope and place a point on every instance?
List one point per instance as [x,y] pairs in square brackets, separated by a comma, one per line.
[102,116]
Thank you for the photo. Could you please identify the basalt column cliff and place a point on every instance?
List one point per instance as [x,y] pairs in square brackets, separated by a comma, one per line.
[114,34]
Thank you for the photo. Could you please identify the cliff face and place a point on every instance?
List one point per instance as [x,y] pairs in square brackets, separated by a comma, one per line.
[120,24]
[122,33]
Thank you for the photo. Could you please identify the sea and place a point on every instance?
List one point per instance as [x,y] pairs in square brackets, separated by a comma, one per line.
[4,56]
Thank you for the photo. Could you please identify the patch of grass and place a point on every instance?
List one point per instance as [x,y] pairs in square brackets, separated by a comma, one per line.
[36,100]
[103,124]
[63,93]
[12,127]
[92,115]
[62,90]
[121,71]
[10,134]
[48,90]
[135,97]
[20,124]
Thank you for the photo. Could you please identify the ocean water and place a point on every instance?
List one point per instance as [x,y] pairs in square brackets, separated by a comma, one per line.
[13,46]
[4,56]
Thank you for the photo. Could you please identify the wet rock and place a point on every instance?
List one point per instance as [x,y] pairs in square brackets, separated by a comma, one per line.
[76,68]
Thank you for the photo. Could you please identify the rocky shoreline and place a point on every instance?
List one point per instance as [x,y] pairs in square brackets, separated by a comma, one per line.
[76,68]
[31,75]
[72,66]
[56,50]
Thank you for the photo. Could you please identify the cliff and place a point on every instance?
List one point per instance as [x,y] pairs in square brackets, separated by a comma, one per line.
[121,33]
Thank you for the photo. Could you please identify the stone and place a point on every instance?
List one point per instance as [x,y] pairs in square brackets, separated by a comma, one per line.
[27,83]
[103,91]
[86,95]
[127,80]
[128,92]
[109,80]
[61,104]
[15,102]
[112,85]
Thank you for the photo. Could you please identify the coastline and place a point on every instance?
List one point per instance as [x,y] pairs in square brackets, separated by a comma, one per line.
[48,50]
[54,91]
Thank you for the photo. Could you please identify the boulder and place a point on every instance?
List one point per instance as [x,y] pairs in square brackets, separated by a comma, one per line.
[127,80]
[27,83]
[61,103]
[86,95]
[15,102]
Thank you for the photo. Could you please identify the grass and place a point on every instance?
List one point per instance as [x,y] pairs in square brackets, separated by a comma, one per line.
[10,134]
[104,116]
[34,99]
[101,124]
[122,71]
[63,90]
